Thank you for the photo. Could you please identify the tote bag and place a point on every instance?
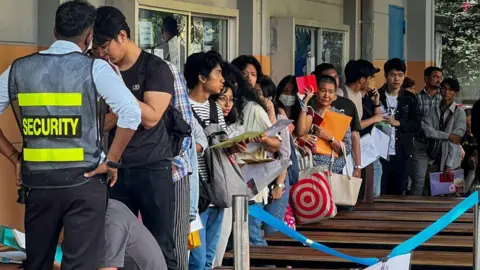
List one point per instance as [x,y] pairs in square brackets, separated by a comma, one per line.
[345,188]
[311,198]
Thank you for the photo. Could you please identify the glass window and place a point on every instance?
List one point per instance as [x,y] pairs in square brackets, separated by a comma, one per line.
[314,46]
[209,34]
[303,50]
[150,29]
[333,48]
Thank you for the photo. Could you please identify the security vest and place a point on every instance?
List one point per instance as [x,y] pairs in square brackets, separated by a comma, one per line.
[55,103]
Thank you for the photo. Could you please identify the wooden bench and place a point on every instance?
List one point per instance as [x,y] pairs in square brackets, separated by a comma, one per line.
[298,254]
[406,207]
[382,226]
[398,216]
[418,199]
[363,238]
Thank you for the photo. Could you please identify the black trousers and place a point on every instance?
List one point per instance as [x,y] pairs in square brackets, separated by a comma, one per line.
[395,175]
[80,211]
[150,191]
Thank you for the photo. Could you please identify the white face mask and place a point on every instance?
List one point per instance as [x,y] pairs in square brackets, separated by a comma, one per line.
[287,100]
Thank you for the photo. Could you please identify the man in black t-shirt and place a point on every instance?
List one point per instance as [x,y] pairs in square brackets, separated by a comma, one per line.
[145,178]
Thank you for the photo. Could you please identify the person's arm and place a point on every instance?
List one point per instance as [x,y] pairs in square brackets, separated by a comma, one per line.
[459,128]
[355,128]
[112,89]
[277,191]
[201,140]
[304,121]
[356,152]
[430,131]
[158,93]
[110,122]
[377,118]
[6,147]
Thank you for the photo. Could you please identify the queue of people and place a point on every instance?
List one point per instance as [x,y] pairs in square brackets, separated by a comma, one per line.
[154,176]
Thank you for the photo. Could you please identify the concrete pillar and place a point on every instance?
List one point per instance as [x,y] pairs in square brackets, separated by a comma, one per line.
[367,29]
[420,38]
[352,17]
[252,29]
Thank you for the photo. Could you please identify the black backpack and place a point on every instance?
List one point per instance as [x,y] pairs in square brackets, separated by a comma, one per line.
[177,128]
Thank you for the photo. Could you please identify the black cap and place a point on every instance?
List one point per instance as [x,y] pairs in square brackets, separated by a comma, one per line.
[357,69]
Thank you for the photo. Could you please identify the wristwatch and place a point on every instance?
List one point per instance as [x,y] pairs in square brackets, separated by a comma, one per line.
[358,167]
[331,140]
[113,165]
[282,186]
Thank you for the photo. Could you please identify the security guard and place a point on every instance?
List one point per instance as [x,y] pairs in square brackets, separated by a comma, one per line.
[55,96]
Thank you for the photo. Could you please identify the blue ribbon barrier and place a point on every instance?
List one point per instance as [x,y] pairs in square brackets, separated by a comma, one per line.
[425,235]
[257,212]
[404,248]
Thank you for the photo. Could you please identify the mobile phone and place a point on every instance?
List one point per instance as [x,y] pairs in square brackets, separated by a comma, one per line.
[317,119]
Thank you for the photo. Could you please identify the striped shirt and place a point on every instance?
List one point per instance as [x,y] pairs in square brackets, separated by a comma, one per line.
[203,111]
[427,102]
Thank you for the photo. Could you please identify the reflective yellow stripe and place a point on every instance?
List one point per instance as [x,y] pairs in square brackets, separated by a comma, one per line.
[49,99]
[53,155]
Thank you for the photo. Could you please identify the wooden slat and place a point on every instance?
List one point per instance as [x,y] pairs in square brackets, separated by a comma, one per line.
[306,254]
[374,239]
[399,226]
[418,199]
[398,216]
[263,268]
[407,207]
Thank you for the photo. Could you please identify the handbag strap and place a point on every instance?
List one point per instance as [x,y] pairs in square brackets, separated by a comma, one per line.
[344,153]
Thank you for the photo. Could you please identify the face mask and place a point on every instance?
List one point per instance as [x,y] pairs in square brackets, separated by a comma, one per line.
[287,101]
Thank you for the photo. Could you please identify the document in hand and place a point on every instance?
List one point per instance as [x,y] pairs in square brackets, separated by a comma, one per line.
[382,142]
[270,132]
[259,176]
[368,154]
[336,124]
[305,82]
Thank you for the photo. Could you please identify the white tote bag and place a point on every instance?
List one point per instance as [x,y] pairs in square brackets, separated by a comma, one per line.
[345,188]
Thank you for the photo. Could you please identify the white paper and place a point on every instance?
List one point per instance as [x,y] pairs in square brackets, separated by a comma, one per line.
[145,30]
[401,262]
[368,151]
[382,142]
[196,225]
[277,127]
[259,176]
[158,52]
[20,237]
[14,255]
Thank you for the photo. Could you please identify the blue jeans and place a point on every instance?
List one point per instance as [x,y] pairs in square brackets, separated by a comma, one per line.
[201,258]
[377,178]
[277,208]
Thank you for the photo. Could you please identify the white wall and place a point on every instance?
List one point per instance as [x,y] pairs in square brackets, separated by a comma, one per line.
[216,3]
[18,21]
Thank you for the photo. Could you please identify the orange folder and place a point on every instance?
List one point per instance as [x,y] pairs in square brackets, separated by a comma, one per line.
[336,124]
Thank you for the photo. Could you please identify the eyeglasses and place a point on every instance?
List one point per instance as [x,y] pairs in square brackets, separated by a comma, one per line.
[101,50]
[225,100]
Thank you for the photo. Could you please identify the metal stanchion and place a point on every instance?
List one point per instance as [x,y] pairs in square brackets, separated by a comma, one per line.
[241,250]
[476,242]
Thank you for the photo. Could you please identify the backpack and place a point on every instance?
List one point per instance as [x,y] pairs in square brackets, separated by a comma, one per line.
[177,128]
[218,188]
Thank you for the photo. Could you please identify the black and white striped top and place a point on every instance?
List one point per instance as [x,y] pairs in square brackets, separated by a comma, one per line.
[203,111]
